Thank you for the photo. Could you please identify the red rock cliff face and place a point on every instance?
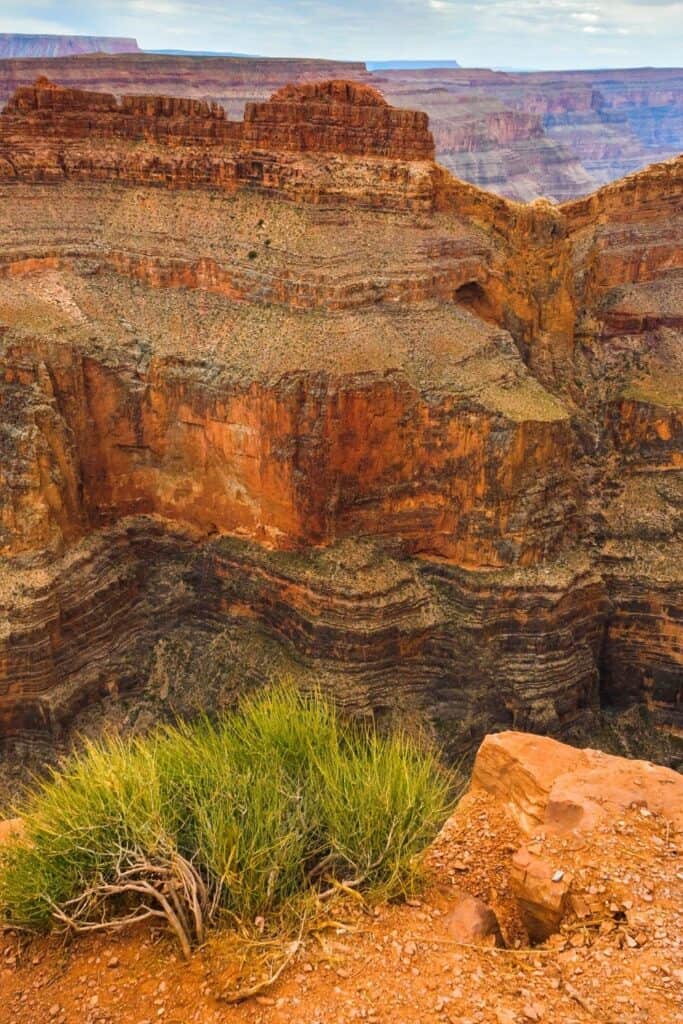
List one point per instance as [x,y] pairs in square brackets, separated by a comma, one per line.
[554,134]
[340,117]
[335,117]
[283,384]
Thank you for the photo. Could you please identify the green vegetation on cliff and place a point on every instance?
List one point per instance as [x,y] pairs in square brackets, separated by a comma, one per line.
[248,817]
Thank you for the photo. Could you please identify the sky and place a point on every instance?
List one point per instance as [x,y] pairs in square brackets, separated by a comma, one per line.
[478,33]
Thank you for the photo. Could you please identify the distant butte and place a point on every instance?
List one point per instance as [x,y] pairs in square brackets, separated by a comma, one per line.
[280,395]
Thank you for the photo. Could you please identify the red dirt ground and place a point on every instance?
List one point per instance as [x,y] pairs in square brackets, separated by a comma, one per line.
[397,965]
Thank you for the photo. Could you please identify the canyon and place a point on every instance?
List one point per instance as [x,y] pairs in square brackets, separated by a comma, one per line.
[558,135]
[553,133]
[279,397]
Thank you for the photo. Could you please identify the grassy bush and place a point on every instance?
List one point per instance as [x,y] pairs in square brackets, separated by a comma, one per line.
[276,803]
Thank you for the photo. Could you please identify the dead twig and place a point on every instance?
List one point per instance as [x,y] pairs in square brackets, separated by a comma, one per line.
[253,990]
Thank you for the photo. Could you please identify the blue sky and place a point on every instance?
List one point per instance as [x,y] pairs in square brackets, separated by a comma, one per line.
[480,33]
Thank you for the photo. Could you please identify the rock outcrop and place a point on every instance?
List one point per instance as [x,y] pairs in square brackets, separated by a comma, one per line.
[283,386]
[230,81]
[576,810]
[552,134]
[549,785]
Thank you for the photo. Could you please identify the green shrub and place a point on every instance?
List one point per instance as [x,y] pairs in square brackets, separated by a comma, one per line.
[276,803]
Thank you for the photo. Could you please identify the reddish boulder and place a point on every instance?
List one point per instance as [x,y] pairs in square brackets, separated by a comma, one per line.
[542,893]
[473,922]
[546,783]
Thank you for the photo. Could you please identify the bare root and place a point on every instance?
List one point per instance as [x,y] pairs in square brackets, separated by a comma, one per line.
[171,889]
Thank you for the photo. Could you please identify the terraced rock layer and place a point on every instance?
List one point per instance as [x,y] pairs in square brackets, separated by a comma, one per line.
[557,134]
[282,396]
[553,134]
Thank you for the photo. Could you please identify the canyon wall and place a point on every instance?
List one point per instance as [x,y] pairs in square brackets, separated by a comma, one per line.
[281,396]
[553,134]
[573,130]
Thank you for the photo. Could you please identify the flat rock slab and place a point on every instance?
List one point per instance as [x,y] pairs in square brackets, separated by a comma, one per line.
[544,783]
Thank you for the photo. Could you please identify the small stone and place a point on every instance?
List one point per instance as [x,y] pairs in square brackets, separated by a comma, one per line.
[54,1010]
[504,1016]
[472,921]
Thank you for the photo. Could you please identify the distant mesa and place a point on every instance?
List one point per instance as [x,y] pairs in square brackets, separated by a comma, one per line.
[15,44]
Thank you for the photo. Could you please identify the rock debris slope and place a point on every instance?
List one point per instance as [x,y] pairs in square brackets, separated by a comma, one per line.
[281,395]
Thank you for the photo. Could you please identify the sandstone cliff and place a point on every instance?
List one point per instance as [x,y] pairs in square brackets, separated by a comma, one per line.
[281,395]
[553,134]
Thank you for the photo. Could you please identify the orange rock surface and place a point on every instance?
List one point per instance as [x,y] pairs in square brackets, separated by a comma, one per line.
[554,134]
[244,359]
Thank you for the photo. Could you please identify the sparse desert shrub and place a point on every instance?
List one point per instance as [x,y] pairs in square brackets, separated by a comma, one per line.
[250,816]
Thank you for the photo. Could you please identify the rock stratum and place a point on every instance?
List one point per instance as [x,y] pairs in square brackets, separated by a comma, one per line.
[558,134]
[554,134]
[282,396]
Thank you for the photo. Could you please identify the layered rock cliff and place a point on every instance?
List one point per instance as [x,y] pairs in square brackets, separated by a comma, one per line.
[279,395]
[552,134]
[575,129]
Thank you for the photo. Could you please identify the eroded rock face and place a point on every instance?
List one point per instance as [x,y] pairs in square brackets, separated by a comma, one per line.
[556,134]
[546,784]
[552,134]
[287,372]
